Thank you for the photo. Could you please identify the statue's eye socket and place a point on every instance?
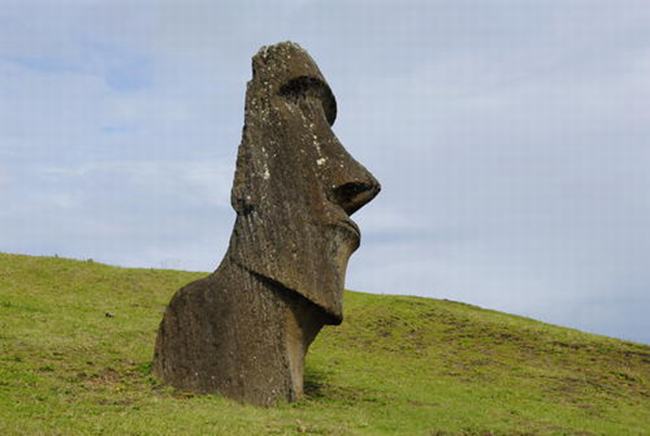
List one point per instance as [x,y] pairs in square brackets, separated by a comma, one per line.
[305,86]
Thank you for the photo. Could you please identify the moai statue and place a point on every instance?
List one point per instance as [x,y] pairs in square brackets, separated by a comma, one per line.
[244,330]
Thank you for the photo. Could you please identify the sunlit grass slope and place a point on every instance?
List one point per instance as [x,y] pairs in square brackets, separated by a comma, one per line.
[397,365]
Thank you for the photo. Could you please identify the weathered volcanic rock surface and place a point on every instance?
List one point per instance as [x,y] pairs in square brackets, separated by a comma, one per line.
[244,330]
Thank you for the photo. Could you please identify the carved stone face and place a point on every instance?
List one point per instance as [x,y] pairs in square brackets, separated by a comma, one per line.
[295,185]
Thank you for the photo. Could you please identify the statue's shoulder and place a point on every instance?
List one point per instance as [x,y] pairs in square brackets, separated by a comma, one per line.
[204,290]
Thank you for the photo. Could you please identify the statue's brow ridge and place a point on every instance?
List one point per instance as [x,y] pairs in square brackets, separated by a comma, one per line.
[305,85]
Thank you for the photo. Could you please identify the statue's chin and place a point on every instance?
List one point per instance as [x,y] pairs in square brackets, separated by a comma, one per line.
[331,314]
[314,269]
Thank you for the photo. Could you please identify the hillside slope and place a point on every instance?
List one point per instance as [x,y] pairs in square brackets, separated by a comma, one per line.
[396,365]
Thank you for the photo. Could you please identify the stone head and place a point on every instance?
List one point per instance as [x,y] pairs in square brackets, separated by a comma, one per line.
[295,185]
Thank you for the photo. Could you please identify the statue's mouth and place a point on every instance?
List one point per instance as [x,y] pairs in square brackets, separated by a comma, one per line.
[351,227]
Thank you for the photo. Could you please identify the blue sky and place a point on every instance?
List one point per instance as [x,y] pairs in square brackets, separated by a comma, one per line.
[510,137]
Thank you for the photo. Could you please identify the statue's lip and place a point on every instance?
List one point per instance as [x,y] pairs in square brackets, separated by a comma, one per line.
[351,226]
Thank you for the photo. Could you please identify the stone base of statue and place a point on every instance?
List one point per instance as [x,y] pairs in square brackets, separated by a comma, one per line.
[239,335]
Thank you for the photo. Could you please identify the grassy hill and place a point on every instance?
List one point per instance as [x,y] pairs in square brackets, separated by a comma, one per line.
[397,365]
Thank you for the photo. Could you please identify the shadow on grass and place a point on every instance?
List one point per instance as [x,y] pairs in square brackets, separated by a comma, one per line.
[315,383]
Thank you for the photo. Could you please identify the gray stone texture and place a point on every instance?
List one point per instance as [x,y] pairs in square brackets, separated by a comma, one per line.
[244,330]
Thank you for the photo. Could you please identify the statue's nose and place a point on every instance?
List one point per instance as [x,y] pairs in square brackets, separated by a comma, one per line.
[355,192]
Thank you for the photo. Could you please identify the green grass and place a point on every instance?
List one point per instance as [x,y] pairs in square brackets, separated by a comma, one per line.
[396,365]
